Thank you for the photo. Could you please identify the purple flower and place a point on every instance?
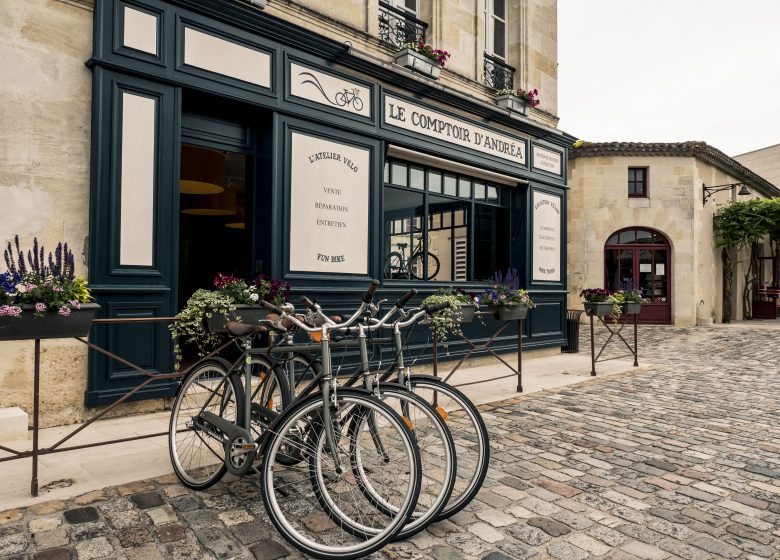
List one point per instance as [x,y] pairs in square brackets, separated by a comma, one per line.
[40,307]
[64,311]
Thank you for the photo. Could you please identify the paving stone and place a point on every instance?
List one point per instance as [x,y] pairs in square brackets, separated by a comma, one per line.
[134,488]
[171,533]
[485,532]
[47,508]
[749,533]
[91,498]
[135,536]
[81,515]
[589,544]
[445,553]
[762,471]
[549,526]
[565,551]
[13,542]
[269,550]
[697,494]
[644,551]
[162,515]
[496,556]
[529,535]
[44,524]
[146,552]
[234,517]
[54,538]
[53,554]
[146,500]
[93,549]
[716,546]
[610,536]
[10,516]
[218,542]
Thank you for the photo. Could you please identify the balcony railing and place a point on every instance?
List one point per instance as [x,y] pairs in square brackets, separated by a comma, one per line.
[398,27]
[498,74]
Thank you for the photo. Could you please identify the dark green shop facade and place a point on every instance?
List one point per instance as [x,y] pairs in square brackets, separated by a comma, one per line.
[227,140]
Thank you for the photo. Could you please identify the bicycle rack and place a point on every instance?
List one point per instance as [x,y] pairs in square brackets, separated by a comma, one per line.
[613,332]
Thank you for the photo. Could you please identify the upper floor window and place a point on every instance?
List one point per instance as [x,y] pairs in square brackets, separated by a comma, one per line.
[637,181]
[398,23]
[495,28]
[406,5]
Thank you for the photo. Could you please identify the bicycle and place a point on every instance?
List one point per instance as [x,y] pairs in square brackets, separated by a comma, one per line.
[397,266]
[347,97]
[316,436]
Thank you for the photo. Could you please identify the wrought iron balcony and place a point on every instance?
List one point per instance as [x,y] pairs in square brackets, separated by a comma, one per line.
[398,27]
[498,74]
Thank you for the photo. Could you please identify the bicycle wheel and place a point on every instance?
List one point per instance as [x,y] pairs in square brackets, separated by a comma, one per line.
[416,266]
[197,451]
[270,393]
[472,444]
[437,451]
[292,494]
[394,266]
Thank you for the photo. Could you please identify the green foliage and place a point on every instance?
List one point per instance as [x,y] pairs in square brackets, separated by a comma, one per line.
[189,327]
[445,321]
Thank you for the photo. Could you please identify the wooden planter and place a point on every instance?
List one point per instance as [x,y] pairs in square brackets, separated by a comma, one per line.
[250,314]
[511,312]
[52,325]
[466,312]
[413,60]
[598,308]
[631,307]
[513,103]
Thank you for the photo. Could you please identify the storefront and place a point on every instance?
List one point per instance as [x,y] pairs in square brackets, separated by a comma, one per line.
[226,140]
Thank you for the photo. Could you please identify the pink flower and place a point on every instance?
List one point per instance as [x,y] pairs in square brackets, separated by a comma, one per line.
[64,311]
[76,304]
[40,307]
[10,310]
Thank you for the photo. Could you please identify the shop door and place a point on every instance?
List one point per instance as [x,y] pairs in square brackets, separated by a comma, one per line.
[641,259]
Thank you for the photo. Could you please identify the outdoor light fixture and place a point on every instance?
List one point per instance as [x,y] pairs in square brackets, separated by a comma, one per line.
[709,191]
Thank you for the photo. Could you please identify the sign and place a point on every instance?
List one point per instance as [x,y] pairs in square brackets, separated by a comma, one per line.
[415,118]
[546,160]
[329,188]
[547,237]
[329,90]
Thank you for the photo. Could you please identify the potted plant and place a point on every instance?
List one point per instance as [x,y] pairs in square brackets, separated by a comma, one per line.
[632,302]
[202,320]
[517,100]
[445,321]
[505,296]
[40,295]
[422,58]
[600,302]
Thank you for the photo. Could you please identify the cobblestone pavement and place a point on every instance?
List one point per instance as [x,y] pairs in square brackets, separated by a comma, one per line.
[677,460]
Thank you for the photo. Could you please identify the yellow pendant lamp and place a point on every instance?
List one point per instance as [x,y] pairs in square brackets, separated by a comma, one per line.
[202,171]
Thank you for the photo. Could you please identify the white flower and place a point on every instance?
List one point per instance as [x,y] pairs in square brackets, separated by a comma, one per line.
[21,288]
[254,297]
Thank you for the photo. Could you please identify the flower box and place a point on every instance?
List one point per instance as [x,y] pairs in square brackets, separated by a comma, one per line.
[598,308]
[413,60]
[466,312]
[631,307]
[51,325]
[510,312]
[250,314]
[513,103]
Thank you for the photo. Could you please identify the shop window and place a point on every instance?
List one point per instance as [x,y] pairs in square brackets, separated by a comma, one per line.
[442,226]
[637,182]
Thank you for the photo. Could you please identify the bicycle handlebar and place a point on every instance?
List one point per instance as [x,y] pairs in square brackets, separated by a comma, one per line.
[369,294]
[309,303]
[405,298]
[431,309]
[271,307]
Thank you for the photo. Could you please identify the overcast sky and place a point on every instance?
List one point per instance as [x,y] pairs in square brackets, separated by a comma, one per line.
[670,71]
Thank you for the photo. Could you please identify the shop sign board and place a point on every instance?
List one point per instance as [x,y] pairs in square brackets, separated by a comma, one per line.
[326,89]
[329,206]
[546,160]
[546,237]
[416,118]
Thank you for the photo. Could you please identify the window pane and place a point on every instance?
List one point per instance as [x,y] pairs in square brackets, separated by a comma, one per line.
[492,193]
[387,172]
[644,236]
[399,246]
[627,236]
[646,273]
[417,178]
[491,240]
[411,5]
[499,10]
[398,176]
[464,188]
[450,185]
[499,38]
[612,240]
[435,221]
[434,181]
[449,244]
[479,191]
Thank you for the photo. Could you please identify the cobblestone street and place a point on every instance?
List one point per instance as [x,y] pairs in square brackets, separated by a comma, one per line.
[680,459]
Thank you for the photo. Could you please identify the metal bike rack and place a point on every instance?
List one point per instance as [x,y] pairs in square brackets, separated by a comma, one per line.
[613,332]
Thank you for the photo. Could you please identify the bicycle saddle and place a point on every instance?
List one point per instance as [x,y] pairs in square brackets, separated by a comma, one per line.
[236,329]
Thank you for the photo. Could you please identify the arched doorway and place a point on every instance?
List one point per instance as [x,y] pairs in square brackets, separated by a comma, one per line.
[640,258]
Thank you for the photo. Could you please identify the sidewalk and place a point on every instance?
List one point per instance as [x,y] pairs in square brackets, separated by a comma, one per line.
[65,475]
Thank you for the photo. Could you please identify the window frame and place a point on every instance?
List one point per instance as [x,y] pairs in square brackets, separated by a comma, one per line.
[490,19]
[645,182]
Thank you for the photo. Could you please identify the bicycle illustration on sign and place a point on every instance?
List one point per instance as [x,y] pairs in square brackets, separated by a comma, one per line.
[347,99]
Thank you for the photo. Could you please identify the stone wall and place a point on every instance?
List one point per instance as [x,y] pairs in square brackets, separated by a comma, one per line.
[765,162]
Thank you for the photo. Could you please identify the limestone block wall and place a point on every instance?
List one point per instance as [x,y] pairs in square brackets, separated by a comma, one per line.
[765,162]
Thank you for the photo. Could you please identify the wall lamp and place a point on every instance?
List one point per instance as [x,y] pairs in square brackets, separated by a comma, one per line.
[709,191]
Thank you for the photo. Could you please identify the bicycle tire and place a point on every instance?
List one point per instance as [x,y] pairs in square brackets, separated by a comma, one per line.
[394,266]
[465,424]
[433,266]
[197,457]
[294,516]
[435,443]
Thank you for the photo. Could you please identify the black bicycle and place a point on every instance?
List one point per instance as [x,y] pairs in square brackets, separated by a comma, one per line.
[397,266]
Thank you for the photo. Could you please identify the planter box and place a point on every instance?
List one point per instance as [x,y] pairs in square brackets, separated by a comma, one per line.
[419,63]
[631,308]
[466,313]
[52,325]
[764,309]
[598,309]
[513,103]
[244,313]
[510,312]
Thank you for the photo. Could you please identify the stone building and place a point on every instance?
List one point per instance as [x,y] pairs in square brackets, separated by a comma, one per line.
[640,217]
[113,109]
[765,162]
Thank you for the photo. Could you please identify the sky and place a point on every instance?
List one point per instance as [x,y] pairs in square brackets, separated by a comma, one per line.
[670,71]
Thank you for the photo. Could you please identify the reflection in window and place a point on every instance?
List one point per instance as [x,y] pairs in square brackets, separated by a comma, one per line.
[403,240]
[491,241]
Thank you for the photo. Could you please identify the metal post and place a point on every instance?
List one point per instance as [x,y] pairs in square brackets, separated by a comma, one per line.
[636,350]
[435,365]
[36,398]
[519,355]
[592,349]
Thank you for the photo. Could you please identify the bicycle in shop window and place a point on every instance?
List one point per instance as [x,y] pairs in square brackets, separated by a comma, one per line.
[397,266]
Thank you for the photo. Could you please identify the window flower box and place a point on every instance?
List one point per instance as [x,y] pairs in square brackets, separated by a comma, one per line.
[249,314]
[513,103]
[631,307]
[598,308]
[31,324]
[511,312]
[417,62]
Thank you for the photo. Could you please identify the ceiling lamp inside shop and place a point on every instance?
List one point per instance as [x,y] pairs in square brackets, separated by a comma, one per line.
[202,171]
[220,204]
[240,222]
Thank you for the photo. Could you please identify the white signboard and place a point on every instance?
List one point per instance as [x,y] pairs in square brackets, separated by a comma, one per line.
[547,237]
[546,160]
[415,118]
[329,90]
[329,206]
